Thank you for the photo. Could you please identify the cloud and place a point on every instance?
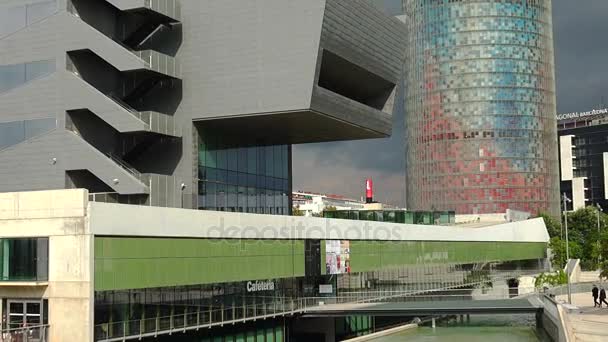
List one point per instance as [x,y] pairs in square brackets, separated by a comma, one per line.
[581,54]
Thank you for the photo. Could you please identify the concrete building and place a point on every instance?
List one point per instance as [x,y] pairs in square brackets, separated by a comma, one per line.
[175,105]
[480,107]
[187,103]
[583,152]
[114,272]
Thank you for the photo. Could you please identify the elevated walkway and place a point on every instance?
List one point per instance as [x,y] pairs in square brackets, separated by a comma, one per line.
[506,306]
[377,303]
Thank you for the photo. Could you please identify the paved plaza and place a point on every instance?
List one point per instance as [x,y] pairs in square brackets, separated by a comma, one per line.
[585,322]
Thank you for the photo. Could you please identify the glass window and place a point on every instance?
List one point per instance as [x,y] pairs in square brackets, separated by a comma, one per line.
[251,199]
[211,153]
[285,159]
[221,197]
[232,178]
[210,202]
[278,161]
[242,179]
[222,156]
[242,159]
[261,160]
[242,198]
[23,259]
[11,76]
[37,127]
[36,12]
[231,201]
[11,20]
[245,168]
[232,157]
[269,161]
[252,160]
[11,133]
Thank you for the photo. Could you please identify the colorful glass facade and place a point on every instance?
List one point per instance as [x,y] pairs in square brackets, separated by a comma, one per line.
[480,103]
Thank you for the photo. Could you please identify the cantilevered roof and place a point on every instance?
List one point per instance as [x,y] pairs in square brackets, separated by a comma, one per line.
[128,220]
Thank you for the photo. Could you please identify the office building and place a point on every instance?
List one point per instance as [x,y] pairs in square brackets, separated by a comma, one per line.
[77,270]
[173,104]
[187,103]
[583,150]
[480,107]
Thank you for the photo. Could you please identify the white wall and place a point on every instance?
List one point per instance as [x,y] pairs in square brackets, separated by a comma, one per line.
[60,216]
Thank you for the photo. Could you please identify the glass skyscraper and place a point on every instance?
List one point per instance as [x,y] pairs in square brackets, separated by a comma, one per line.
[480,106]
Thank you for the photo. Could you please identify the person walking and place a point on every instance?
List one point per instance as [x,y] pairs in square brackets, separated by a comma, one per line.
[603,297]
[595,293]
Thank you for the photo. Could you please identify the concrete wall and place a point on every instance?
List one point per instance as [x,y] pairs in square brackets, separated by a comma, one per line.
[565,157]
[578,192]
[119,220]
[61,216]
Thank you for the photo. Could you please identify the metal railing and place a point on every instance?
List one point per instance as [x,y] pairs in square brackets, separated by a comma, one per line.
[38,333]
[115,197]
[254,308]
[123,164]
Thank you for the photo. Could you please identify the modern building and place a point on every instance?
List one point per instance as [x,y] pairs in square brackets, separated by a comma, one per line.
[314,204]
[480,106]
[583,149]
[77,270]
[164,106]
[187,103]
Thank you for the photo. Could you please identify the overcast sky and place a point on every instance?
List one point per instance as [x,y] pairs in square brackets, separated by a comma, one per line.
[581,49]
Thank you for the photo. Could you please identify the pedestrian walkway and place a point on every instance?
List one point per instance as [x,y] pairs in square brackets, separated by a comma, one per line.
[584,322]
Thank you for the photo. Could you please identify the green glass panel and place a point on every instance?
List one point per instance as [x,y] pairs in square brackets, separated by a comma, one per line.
[269,335]
[129,263]
[278,334]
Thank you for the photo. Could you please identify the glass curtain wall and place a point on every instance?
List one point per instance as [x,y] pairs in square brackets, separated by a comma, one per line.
[237,176]
[481,125]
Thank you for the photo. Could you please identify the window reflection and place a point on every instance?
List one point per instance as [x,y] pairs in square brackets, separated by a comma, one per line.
[13,19]
[15,132]
[243,178]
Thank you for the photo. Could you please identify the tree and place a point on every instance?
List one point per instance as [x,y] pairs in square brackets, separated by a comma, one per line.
[296,211]
[551,279]
[554,227]
[322,213]
[582,235]
[558,247]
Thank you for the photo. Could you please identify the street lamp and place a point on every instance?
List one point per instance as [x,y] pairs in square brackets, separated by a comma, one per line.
[599,247]
[566,200]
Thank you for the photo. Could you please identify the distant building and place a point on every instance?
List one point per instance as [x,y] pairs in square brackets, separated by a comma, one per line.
[314,204]
[583,152]
[480,105]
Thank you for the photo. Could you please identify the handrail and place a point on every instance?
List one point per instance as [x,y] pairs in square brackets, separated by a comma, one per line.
[124,165]
[253,308]
[142,116]
[37,333]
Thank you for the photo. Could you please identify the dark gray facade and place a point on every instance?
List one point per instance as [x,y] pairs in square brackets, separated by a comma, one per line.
[111,95]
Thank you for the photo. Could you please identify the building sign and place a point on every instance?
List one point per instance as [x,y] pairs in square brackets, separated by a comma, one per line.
[256,286]
[578,115]
[337,256]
